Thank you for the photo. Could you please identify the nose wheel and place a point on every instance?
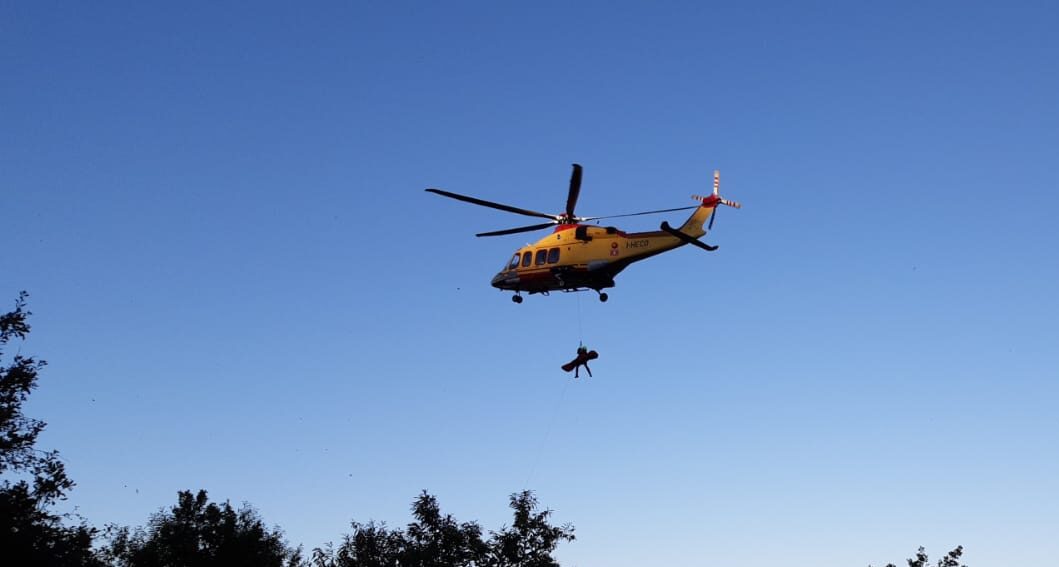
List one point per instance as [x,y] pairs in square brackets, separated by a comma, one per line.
[603,297]
[516,298]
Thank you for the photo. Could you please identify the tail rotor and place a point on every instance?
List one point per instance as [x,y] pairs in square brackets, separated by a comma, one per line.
[715,198]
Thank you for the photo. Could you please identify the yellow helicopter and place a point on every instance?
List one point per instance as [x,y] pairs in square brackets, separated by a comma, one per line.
[577,256]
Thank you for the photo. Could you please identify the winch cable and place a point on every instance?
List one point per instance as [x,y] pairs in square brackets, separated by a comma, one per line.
[558,405]
[580,332]
[547,434]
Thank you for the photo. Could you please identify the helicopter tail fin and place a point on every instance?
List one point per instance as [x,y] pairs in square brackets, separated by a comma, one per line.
[694,225]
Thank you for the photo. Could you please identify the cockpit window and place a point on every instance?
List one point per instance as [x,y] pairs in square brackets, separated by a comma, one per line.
[514,261]
[542,257]
[527,259]
[553,255]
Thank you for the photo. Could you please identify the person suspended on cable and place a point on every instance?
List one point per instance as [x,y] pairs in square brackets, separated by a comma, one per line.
[583,356]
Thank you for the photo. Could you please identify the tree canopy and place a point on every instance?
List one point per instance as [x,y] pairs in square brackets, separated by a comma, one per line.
[32,480]
[434,539]
[951,559]
[199,533]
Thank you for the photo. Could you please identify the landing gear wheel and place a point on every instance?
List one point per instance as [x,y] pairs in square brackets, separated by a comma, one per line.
[516,298]
[603,297]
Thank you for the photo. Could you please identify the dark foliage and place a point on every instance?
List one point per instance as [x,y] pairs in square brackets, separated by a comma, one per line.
[199,533]
[33,480]
[370,545]
[18,433]
[436,540]
[38,537]
[530,540]
[951,559]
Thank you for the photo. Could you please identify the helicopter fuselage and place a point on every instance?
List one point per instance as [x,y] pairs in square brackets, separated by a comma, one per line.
[577,256]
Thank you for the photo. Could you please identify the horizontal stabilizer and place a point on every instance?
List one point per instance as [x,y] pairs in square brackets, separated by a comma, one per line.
[687,238]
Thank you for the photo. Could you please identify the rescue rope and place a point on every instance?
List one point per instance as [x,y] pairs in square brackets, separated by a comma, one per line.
[558,405]
[547,435]
[580,333]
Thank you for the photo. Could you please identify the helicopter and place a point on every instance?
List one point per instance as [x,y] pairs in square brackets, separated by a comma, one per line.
[579,257]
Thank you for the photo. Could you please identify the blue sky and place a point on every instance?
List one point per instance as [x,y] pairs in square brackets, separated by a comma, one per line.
[241,286]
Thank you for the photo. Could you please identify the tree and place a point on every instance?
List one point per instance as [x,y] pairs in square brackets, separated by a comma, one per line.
[199,533]
[432,540]
[437,540]
[951,559]
[370,545]
[33,480]
[530,540]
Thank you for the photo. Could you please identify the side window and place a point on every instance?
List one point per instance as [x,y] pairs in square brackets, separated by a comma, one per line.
[514,262]
[527,259]
[553,255]
[542,257]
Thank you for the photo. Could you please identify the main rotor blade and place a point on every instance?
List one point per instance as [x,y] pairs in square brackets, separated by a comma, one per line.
[492,205]
[643,213]
[514,230]
[713,215]
[575,190]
